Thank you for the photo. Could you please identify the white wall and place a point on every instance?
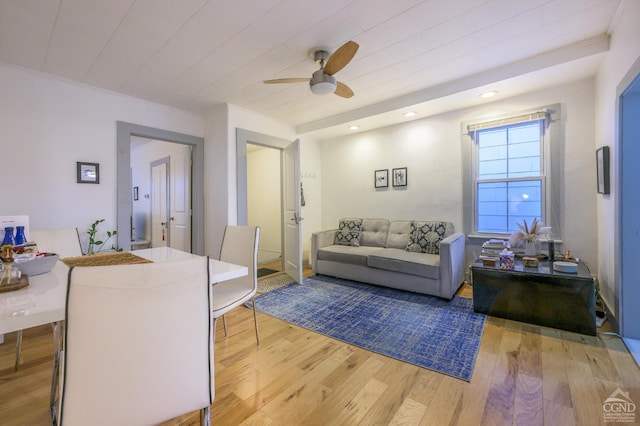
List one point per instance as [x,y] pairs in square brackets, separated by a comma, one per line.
[431,150]
[216,179]
[47,125]
[220,165]
[623,52]
[264,203]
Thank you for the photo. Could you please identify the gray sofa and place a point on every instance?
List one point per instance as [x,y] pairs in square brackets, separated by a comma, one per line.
[422,257]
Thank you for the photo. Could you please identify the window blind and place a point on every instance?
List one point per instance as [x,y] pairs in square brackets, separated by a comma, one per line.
[537,115]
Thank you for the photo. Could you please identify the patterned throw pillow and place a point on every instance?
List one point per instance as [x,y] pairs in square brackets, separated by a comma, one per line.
[349,232]
[426,236]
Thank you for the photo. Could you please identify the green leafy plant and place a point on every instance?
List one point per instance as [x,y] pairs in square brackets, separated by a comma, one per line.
[96,246]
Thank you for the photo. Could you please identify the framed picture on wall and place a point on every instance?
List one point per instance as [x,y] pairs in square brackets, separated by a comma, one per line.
[381,178]
[88,172]
[602,165]
[399,176]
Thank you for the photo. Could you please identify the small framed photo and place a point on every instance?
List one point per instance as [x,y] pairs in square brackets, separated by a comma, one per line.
[602,162]
[88,172]
[399,176]
[381,178]
[135,193]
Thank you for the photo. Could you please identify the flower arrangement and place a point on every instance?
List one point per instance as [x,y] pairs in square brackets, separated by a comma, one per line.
[529,234]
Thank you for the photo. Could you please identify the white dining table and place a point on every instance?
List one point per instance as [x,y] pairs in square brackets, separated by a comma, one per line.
[43,301]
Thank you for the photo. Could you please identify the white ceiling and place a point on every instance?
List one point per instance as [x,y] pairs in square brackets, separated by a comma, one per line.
[432,55]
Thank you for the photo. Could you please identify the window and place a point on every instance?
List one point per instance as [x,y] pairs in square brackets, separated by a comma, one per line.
[508,173]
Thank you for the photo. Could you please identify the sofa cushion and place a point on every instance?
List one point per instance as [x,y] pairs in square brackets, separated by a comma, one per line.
[347,254]
[399,260]
[399,232]
[374,232]
[426,236]
[349,232]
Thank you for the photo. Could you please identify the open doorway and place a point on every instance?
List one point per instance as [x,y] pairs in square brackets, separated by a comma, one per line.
[161,181]
[291,228]
[125,133]
[264,204]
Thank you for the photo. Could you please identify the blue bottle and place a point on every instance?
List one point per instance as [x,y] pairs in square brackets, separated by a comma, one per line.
[20,237]
[8,237]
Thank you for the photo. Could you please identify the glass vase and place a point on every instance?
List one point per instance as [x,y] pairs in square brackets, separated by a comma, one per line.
[532,248]
[8,237]
[20,237]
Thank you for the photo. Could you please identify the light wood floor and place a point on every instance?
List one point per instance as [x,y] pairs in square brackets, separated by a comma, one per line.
[524,374]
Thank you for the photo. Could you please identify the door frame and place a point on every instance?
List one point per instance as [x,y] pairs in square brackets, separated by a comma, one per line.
[243,137]
[124,133]
[626,238]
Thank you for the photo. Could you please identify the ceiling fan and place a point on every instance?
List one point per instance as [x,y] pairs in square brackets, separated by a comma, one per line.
[322,82]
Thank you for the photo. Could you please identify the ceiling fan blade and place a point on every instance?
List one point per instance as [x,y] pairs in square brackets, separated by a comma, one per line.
[343,90]
[286,80]
[341,57]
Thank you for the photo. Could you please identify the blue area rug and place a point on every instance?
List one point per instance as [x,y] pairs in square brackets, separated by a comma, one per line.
[427,331]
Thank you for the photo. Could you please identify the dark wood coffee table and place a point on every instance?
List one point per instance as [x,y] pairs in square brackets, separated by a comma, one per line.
[539,295]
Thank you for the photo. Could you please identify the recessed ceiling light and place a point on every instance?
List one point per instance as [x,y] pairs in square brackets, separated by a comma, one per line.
[409,114]
[354,127]
[489,94]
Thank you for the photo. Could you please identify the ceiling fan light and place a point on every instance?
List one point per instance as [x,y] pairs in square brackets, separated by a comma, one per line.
[489,94]
[323,88]
[322,84]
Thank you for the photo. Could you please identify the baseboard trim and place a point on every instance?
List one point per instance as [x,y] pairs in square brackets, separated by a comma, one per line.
[613,321]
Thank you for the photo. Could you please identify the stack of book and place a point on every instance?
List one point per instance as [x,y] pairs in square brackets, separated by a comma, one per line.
[491,249]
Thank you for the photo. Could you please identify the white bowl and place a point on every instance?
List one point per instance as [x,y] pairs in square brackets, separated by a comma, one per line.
[567,267]
[39,265]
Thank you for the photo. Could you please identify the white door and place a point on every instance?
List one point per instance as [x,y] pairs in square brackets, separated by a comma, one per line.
[159,206]
[291,218]
[180,200]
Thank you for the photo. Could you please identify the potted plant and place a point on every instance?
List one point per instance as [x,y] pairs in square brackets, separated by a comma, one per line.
[529,236]
[96,246]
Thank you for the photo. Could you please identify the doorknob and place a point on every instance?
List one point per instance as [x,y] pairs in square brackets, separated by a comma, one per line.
[297,218]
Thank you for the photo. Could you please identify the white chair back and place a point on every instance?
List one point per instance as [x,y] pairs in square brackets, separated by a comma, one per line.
[137,343]
[63,242]
[239,246]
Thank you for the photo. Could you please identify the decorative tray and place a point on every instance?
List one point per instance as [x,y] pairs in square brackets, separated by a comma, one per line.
[567,267]
[24,282]
[540,256]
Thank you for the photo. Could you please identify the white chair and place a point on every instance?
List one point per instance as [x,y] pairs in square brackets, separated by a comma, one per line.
[239,246]
[137,345]
[63,242]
